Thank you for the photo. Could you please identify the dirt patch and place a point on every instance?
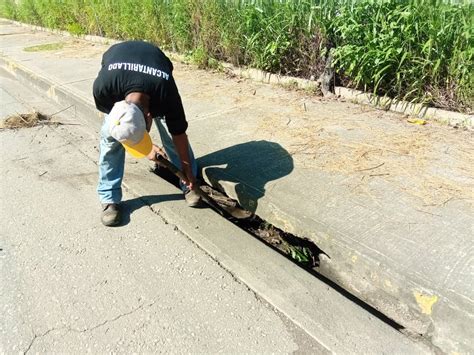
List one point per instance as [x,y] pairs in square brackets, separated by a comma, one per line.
[82,49]
[77,48]
[26,120]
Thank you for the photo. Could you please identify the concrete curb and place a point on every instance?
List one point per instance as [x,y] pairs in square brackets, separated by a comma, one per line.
[454,119]
[57,93]
[451,118]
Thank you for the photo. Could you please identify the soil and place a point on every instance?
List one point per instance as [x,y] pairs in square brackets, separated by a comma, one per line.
[301,251]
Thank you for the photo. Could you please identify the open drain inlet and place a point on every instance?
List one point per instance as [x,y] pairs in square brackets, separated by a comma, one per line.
[301,251]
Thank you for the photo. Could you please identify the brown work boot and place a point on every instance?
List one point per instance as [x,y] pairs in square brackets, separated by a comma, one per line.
[110,214]
[192,198]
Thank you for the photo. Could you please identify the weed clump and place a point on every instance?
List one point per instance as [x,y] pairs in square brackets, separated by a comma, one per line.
[25,120]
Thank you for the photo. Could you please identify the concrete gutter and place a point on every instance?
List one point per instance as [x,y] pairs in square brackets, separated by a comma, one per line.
[397,282]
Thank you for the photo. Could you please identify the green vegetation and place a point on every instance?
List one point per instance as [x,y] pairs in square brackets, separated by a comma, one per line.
[407,49]
[45,47]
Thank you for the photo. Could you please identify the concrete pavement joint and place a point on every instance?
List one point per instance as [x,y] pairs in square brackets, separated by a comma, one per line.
[258,298]
[206,252]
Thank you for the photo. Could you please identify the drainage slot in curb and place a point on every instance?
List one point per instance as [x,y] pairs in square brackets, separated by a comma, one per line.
[301,251]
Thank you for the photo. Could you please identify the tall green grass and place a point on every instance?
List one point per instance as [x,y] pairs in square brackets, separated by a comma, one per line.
[417,49]
[407,49]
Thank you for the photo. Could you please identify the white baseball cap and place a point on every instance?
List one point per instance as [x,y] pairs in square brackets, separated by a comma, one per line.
[127,125]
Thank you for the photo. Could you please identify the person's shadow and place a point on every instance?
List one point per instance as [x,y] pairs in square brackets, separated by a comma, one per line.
[129,206]
[248,167]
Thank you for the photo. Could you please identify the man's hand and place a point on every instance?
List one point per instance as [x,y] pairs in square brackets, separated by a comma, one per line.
[154,151]
[191,181]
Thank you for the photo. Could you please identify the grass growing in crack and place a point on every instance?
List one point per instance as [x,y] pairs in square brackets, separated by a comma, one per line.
[45,47]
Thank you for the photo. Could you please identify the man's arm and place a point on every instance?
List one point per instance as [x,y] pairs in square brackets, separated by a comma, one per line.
[181,144]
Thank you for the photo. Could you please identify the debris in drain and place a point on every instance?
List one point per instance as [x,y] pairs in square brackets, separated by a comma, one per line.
[300,250]
[219,197]
[218,202]
[26,120]
[165,174]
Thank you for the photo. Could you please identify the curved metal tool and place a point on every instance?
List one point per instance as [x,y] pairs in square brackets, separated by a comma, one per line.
[224,208]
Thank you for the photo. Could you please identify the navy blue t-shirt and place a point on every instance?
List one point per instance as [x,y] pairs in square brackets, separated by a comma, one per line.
[136,66]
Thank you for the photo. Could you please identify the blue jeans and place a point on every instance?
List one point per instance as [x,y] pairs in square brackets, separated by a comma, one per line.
[112,161]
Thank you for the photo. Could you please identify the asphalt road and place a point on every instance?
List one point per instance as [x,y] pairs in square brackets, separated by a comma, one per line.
[68,284]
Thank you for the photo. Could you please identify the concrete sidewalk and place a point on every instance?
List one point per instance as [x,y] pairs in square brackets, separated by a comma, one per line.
[389,203]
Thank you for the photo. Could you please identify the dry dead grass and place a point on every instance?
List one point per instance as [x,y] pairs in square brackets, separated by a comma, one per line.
[26,120]
[434,164]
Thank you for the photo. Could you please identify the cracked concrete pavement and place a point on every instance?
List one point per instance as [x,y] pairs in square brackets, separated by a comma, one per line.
[70,285]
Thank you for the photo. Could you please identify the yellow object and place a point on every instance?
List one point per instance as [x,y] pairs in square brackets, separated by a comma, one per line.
[141,149]
[425,302]
[417,121]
